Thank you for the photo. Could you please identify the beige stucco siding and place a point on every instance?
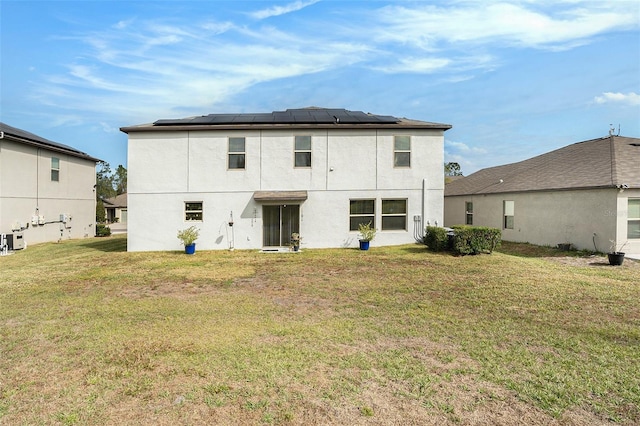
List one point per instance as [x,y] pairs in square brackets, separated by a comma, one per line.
[27,191]
[166,169]
[585,218]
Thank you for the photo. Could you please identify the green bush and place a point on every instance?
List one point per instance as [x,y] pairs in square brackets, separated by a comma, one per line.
[102,230]
[436,238]
[475,239]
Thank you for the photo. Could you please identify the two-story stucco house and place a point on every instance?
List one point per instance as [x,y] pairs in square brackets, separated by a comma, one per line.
[248,181]
[47,189]
[586,194]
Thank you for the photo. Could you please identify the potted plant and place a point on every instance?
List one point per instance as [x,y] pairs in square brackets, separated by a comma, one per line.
[367,233]
[295,241]
[616,257]
[567,246]
[188,238]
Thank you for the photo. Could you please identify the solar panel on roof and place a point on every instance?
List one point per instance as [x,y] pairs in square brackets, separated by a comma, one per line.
[290,116]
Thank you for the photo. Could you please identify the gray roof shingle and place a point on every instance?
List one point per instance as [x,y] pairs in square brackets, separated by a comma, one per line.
[117,201]
[303,117]
[597,163]
[22,136]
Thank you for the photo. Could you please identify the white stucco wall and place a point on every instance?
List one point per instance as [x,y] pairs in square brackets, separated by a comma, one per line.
[166,169]
[588,219]
[26,189]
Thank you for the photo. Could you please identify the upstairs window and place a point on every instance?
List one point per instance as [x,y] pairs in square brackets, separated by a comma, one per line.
[468,213]
[633,218]
[361,212]
[509,210]
[55,169]
[394,215]
[193,211]
[402,151]
[236,153]
[302,151]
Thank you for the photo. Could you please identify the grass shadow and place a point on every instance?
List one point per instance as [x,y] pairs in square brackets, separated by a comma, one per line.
[532,250]
[113,244]
[421,248]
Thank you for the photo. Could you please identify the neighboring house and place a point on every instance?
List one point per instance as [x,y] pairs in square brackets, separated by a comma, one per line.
[586,194]
[116,208]
[47,190]
[249,181]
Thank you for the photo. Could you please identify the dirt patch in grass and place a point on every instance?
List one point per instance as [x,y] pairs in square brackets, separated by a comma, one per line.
[592,260]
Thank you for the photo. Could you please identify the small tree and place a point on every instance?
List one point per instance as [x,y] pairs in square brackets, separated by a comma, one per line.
[120,180]
[104,182]
[452,169]
[101,215]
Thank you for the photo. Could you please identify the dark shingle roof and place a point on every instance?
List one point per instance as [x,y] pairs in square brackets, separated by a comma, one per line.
[117,201]
[303,117]
[597,163]
[22,136]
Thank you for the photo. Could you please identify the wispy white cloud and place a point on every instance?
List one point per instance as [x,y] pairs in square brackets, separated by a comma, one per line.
[120,25]
[217,27]
[108,128]
[542,25]
[281,10]
[165,65]
[415,65]
[160,68]
[630,98]
[461,147]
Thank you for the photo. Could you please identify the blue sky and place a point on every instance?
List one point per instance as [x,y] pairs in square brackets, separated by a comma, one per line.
[514,78]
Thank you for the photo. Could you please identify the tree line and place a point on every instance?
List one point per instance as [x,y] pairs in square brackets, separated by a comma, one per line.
[109,184]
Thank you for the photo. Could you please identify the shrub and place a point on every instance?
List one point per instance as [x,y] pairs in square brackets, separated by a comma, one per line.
[189,235]
[475,239]
[102,230]
[436,238]
[366,231]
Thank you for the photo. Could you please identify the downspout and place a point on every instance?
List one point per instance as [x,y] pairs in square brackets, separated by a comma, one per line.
[328,167]
[377,168]
[418,227]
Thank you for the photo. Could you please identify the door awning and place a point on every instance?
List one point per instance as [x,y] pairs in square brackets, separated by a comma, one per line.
[280,195]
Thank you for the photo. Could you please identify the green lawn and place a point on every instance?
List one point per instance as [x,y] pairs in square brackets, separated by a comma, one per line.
[91,334]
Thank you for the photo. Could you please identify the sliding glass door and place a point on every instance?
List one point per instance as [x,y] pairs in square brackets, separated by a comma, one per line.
[279,222]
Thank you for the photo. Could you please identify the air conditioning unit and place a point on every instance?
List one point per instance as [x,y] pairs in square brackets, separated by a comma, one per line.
[18,241]
[14,241]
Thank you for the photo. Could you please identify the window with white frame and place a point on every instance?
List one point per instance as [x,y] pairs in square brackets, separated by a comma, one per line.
[402,151]
[237,153]
[302,151]
[468,213]
[193,211]
[633,218]
[394,215]
[361,212]
[508,214]
[55,169]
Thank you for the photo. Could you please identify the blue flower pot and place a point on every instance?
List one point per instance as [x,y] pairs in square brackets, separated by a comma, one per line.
[364,245]
[190,249]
